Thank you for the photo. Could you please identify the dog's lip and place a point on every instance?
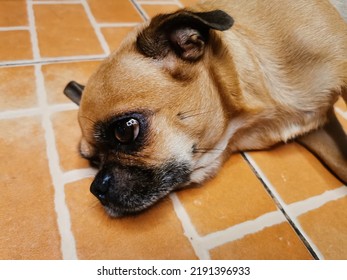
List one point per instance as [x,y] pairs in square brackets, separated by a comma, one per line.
[117,212]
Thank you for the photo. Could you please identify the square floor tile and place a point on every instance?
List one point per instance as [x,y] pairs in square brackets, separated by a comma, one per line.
[295,173]
[278,242]
[28,221]
[15,95]
[67,137]
[327,228]
[65,30]
[120,11]
[155,234]
[235,195]
[13,13]
[153,10]
[58,75]
[16,45]
[115,35]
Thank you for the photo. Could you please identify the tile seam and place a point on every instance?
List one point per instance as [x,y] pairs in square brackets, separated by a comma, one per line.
[27,112]
[241,230]
[152,3]
[311,246]
[117,24]
[78,174]
[189,229]
[57,2]
[68,246]
[140,10]
[341,113]
[312,203]
[19,113]
[97,31]
[14,28]
[179,3]
[52,60]
[33,34]
[67,242]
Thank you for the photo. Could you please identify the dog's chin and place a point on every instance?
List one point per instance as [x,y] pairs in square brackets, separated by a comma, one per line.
[133,206]
[118,212]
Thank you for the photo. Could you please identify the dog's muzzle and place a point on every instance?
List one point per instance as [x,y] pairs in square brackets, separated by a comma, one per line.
[127,190]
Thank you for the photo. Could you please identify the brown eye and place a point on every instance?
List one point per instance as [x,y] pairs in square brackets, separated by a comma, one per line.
[127,130]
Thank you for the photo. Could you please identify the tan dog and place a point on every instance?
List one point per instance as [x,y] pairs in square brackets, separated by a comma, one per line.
[187,89]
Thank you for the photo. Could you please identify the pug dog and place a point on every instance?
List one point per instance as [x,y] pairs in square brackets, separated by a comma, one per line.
[187,89]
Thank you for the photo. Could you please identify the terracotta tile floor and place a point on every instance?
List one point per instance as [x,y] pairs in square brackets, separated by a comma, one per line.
[277,204]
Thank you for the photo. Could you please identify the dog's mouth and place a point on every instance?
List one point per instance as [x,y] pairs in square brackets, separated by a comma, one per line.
[129,190]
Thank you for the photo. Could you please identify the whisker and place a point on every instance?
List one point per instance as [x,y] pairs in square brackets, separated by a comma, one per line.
[206,150]
[190,114]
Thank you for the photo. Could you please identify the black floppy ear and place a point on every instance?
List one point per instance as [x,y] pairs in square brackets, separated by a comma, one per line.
[73,91]
[184,32]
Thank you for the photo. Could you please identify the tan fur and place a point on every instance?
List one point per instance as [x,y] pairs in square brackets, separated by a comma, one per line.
[270,78]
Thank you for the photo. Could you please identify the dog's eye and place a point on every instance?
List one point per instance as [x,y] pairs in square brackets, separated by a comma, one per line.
[127,130]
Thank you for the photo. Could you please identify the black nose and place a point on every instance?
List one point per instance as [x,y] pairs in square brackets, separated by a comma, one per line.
[101,185]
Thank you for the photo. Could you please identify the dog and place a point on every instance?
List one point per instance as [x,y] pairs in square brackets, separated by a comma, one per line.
[187,89]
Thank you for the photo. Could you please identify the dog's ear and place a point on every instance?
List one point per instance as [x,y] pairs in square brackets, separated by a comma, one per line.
[184,32]
[73,91]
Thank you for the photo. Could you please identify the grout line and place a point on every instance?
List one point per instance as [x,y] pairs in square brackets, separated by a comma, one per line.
[140,10]
[62,107]
[97,30]
[240,230]
[14,28]
[52,2]
[341,112]
[189,229]
[284,208]
[312,203]
[78,174]
[33,34]
[178,3]
[67,243]
[12,114]
[118,24]
[62,59]
[163,3]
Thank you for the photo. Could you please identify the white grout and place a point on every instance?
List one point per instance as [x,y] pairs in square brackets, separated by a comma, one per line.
[189,229]
[139,9]
[118,24]
[47,60]
[19,113]
[32,29]
[239,231]
[12,114]
[97,30]
[14,28]
[52,2]
[178,3]
[78,174]
[169,2]
[341,112]
[315,202]
[62,107]
[68,245]
[284,205]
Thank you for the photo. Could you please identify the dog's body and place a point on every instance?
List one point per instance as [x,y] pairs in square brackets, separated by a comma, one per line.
[179,95]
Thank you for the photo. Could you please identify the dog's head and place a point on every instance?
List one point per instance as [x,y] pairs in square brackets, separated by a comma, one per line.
[150,116]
